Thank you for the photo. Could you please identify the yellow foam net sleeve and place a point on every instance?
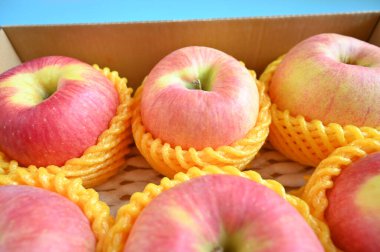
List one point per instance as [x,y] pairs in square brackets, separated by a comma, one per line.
[127,215]
[169,160]
[103,160]
[314,192]
[308,142]
[97,212]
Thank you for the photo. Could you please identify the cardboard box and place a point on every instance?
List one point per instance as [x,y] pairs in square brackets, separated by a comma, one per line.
[133,49]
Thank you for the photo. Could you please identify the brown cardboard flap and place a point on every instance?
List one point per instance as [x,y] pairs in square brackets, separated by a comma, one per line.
[134,48]
[8,57]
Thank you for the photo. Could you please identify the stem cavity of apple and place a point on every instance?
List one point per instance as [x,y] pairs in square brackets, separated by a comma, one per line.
[205,79]
[355,62]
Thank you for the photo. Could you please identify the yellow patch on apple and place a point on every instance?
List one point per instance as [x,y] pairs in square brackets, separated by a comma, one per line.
[37,86]
[367,195]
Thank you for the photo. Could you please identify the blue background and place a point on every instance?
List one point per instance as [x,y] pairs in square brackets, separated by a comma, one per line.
[21,12]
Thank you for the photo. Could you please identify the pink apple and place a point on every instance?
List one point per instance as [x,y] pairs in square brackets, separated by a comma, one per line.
[220,213]
[199,97]
[52,109]
[34,220]
[332,78]
[353,213]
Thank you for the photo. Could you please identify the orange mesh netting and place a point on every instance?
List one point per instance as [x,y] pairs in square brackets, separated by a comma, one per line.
[127,215]
[309,142]
[103,160]
[169,160]
[97,212]
[314,192]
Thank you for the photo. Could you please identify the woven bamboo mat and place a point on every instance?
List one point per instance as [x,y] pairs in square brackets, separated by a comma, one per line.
[137,174]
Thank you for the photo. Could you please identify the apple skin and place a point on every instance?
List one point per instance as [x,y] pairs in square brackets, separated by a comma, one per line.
[52,109]
[220,213]
[182,116]
[353,213]
[332,78]
[33,219]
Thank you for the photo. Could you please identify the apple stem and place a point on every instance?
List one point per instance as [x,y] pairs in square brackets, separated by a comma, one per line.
[197,84]
[218,249]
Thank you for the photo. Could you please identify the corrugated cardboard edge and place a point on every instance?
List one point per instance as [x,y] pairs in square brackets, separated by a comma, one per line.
[375,36]
[286,16]
[8,56]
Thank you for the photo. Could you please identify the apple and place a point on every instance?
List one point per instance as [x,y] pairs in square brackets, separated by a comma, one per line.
[199,97]
[331,78]
[52,109]
[220,213]
[353,212]
[33,219]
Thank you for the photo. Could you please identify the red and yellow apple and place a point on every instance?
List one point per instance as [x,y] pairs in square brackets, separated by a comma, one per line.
[332,78]
[220,213]
[33,219]
[199,97]
[52,109]
[353,212]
